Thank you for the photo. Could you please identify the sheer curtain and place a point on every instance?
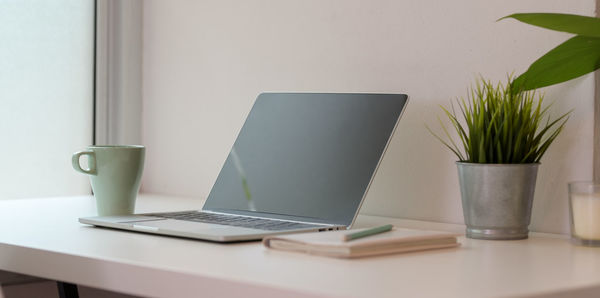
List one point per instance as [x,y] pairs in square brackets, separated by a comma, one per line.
[46,95]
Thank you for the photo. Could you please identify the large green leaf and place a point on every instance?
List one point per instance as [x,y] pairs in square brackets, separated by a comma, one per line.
[573,58]
[581,25]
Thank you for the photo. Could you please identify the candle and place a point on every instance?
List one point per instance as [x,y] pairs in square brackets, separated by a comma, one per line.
[586,215]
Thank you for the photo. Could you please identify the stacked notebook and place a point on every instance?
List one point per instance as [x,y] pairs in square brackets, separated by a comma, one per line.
[332,244]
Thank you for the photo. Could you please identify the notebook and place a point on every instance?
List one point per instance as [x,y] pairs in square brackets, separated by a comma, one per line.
[301,162]
[332,244]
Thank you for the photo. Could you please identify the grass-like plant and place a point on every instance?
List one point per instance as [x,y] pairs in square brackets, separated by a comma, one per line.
[496,125]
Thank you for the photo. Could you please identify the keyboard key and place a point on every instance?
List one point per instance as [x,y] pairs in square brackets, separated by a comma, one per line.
[234,220]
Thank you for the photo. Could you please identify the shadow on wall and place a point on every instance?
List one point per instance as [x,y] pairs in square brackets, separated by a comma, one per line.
[550,205]
[405,185]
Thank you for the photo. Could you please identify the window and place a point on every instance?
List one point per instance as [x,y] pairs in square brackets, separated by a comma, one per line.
[46,95]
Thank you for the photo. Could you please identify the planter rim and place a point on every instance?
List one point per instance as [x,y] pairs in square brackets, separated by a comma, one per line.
[499,165]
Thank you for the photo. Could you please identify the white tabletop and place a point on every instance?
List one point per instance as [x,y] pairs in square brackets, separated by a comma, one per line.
[42,237]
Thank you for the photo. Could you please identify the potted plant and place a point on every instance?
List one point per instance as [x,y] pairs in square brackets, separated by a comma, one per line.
[502,135]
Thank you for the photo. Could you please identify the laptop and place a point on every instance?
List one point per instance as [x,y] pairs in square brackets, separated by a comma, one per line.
[302,162]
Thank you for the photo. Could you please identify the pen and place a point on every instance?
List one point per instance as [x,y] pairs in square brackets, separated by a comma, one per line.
[367,232]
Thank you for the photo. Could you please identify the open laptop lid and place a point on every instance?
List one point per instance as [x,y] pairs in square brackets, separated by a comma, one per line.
[306,156]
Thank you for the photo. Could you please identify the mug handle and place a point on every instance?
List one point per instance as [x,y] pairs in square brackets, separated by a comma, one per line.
[91,162]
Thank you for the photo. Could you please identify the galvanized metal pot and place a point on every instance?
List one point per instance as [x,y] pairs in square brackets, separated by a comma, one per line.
[497,199]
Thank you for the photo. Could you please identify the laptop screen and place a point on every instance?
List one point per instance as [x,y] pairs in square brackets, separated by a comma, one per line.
[306,155]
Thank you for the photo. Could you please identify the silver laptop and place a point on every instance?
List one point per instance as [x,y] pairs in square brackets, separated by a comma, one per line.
[301,162]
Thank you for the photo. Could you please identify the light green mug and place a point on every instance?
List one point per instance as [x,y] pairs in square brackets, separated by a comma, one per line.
[115,174]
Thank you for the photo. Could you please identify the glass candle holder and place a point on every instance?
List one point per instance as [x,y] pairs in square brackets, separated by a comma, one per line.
[584,209]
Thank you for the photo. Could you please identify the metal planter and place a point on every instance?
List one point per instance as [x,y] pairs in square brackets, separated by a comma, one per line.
[497,199]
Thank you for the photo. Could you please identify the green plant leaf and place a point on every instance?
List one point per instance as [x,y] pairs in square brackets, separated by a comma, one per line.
[457,153]
[576,24]
[573,58]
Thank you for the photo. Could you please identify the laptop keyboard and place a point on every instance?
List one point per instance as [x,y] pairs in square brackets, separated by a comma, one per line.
[237,221]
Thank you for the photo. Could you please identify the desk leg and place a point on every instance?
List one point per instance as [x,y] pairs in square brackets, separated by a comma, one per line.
[67,290]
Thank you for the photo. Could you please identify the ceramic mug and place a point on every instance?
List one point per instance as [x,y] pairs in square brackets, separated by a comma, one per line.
[115,174]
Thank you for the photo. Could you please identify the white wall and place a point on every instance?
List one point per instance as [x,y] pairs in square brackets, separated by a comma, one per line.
[205,62]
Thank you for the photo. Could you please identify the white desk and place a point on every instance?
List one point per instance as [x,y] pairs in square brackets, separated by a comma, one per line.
[42,237]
